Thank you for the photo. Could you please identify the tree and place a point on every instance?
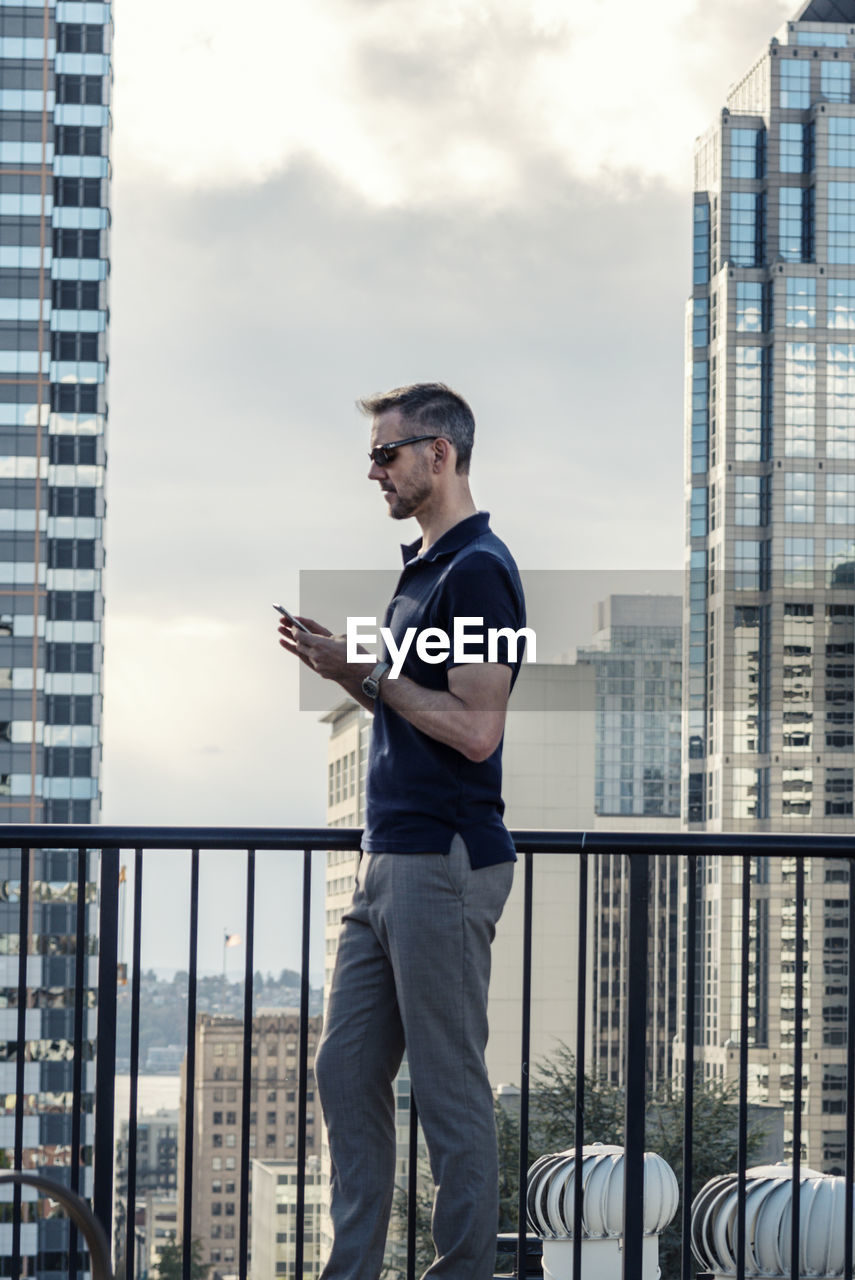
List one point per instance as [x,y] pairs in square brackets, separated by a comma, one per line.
[171,1262]
[553,1106]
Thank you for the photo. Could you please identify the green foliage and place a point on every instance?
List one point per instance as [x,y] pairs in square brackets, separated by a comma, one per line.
[172,1259]
[553,1106]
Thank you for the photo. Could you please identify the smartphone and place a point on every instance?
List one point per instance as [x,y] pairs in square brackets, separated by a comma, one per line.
[295,622]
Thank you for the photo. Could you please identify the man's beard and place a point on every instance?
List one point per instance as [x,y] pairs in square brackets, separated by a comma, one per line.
[401,508]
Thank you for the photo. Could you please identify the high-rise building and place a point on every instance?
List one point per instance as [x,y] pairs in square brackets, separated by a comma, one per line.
[770,528]
[55,93]
[54,272]
[217,1119]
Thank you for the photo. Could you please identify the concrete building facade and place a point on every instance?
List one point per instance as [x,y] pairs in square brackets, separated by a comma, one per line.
[274,1219]
[217,1120]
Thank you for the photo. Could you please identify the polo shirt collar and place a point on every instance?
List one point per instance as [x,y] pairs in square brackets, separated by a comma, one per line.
[451,541]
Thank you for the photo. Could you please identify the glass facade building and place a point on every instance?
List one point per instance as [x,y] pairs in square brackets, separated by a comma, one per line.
[54,270]
[55,89]
[636,652]
[769,614]
[637,655]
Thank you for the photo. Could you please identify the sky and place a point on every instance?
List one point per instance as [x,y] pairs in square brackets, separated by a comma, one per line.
[338,197]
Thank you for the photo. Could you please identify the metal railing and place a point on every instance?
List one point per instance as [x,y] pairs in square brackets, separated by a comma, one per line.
[110,842]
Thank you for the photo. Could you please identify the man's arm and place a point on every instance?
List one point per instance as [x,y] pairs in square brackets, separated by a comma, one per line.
[469,716]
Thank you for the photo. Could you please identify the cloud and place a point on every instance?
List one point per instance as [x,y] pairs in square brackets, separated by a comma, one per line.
[440,105]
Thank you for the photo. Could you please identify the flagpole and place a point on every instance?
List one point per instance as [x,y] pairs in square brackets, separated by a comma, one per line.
[225,946]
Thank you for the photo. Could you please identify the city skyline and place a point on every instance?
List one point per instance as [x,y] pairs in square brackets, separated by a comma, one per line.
[527,300]
[253,339]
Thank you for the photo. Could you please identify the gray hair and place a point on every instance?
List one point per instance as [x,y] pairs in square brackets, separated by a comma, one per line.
[434,406]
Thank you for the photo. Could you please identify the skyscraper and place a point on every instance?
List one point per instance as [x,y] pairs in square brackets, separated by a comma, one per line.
[770,524]
[54,270]
[55,89]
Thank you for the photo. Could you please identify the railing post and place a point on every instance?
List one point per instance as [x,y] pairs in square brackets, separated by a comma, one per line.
[105,1057]
[636,1066]
[525,1051]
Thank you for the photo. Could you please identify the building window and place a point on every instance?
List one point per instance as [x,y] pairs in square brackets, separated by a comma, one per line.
[747,153]
[750,565]
[795,224]
[749,791]
[700,415]
[749,306]
[838,793]
[800,399]
[76,37]
[841,142]
[840,403]
[840,562]
[751,500]
[796,791]
[841,304]
[792,149]
[835,81]
[798,562]
[841,222]
[701,244]
[698,513]
[799,503]
[700,338]
[77,140]
[801,302]
[828,39]
[749,682]
[839,660]
[795,84]
[80,90]
[797,677]
[746,228]
[749,404]
[840,499]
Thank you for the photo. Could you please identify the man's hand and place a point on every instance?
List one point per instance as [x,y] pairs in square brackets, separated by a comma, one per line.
[326,654]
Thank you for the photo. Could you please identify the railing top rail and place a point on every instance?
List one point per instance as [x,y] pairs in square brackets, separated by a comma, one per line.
[44,836]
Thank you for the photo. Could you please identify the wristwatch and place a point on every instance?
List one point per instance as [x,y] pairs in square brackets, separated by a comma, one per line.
[371,683]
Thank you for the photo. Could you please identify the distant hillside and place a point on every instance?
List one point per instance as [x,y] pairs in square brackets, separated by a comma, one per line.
[163,1008]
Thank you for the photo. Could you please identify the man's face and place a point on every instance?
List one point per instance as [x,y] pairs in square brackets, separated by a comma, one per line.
[406,481]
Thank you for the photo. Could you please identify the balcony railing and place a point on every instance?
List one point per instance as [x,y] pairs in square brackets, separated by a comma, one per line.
[111,843]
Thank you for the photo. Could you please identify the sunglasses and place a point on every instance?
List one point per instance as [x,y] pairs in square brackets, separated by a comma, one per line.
[385,453]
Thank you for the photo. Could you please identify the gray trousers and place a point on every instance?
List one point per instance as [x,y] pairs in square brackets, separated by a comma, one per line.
[412,970]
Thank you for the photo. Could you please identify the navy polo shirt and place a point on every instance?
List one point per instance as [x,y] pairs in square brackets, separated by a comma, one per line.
[419,792]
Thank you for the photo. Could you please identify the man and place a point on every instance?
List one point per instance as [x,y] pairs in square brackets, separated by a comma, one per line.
[413,961]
